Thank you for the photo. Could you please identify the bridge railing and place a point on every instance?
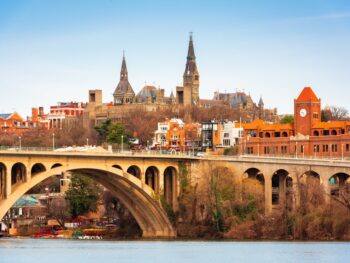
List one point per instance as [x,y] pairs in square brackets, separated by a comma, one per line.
[293,156]
[97,150]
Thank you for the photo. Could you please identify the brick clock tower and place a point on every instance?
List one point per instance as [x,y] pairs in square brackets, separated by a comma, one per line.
[307,111]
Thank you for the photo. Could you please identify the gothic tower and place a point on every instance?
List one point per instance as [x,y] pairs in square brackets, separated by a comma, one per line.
[191,75]
[123,93]
[189,93]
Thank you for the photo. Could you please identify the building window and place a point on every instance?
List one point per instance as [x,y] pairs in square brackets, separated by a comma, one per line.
[249,150]
[325,148]
[347,147]
[226,142]
[316,148]
[334,148]
[226,135]
[315,115]
[302,148]
[326,133]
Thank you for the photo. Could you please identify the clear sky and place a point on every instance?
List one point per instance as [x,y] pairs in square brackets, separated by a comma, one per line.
[54,51]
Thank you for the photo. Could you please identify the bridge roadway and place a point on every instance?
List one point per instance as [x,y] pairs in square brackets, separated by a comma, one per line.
[138,179]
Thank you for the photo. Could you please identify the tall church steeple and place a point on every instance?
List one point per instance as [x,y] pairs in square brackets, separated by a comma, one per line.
[191,76]
[123,70]
[123,93]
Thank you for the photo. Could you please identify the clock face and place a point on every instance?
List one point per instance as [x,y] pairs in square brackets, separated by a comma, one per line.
[302,113]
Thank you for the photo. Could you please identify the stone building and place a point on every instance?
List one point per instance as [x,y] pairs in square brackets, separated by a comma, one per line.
[188,94]
[245,106]
[151,98]
[123,94]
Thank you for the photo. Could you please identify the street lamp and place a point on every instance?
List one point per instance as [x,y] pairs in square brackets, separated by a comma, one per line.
[53,142]
[20,142]
[122,143]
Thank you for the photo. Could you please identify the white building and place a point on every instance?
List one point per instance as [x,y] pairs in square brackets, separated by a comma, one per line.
[163,128]
[230,133]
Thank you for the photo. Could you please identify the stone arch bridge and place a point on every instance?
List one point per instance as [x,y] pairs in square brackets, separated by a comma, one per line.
[139,179]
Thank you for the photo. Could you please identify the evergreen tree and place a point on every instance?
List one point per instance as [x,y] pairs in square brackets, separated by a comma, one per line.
[82,195]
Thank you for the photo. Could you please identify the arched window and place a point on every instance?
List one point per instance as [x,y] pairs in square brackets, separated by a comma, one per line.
[316,133]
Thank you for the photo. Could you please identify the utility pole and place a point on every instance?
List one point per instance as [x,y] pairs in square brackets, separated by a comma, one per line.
[53,142]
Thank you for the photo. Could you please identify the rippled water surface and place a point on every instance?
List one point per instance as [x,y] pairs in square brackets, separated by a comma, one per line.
[40,250]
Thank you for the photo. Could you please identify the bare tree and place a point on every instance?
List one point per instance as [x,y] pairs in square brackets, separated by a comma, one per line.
[58,209]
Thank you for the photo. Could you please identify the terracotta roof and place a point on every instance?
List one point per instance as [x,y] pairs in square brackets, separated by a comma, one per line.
[308,95]
[261,125]
[253,125]
[331,125]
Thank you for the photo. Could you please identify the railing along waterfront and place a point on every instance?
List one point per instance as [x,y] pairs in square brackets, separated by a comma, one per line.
[200,155]
[96,151]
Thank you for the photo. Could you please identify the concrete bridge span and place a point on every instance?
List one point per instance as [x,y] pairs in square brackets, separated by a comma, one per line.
[138,180]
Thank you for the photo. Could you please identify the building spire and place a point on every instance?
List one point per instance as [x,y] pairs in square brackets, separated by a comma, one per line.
[190,55]
[124,70]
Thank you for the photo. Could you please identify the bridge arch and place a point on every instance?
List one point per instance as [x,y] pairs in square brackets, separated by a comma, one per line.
[253,182]
[338,182]
[310,177]
[254,173]
[136,197]
[3,172]
[282,189]
[135,171]
[152,178]
[37,168]
[117,166]
[18,173]
[170,185]
[55,165]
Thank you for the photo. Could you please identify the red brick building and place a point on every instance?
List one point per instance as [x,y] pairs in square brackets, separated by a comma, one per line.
[307,137]
[64,112]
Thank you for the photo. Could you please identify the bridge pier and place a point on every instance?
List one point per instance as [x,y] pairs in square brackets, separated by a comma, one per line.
[268,195]
[327,190]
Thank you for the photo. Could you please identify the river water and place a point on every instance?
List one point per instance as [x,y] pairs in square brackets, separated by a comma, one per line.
[62,251]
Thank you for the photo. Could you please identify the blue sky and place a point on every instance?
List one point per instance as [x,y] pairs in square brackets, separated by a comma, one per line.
[54,51]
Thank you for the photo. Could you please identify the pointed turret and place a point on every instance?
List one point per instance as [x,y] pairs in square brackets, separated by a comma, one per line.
[123,70]
[191,77]
[190,54]
[123,92]
[261,103]
[191,67]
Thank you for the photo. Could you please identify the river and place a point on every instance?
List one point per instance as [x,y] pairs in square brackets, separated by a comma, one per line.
[61,251]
